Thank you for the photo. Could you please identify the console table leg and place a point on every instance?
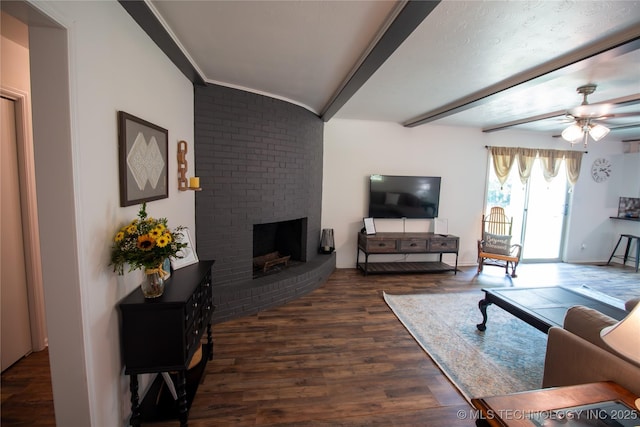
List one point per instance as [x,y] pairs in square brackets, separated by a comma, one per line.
[366,263]
[482,305]
[183,412]
[135,402]
[455,270]
[210,341]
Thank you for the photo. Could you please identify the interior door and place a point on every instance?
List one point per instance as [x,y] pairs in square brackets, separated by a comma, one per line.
[15,326]
[538,209]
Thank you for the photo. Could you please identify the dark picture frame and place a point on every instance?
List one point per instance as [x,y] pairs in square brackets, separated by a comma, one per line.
[143,160]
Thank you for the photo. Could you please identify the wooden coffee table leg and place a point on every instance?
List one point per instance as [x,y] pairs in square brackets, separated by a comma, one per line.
[482,305]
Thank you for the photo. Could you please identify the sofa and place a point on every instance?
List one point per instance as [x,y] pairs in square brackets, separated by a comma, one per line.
[576,354]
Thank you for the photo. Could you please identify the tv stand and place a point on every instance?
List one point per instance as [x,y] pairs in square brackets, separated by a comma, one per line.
[405,244]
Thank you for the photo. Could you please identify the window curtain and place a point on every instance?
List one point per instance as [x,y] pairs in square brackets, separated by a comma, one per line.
[525,157]
[573,160]
[551,160]
[503,158]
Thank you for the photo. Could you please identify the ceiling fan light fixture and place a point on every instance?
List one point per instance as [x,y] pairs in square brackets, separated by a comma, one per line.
[572,133]
[597,132]
[583,127]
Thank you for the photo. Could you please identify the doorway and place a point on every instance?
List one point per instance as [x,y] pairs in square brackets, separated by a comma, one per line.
[538,208]
[16,328]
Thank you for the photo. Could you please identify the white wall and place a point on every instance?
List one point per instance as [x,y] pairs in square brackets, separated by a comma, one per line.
[112,65]
[355,149]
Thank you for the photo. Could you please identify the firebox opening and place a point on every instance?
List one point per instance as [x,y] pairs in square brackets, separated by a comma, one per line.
[278,244]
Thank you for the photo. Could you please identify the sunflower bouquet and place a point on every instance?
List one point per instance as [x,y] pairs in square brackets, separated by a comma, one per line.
[145,243]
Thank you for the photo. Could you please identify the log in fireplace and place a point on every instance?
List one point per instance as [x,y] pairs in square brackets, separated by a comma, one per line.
[276,244]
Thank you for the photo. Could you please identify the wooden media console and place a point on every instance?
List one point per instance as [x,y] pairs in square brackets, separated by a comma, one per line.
[406,243]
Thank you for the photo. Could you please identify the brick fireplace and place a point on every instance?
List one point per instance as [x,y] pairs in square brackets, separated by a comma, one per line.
[276,245]
[260,162]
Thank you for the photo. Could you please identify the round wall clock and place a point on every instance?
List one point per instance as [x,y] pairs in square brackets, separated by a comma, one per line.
[600,170]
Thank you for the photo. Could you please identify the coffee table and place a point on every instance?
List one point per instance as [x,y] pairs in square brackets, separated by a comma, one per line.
[544,307]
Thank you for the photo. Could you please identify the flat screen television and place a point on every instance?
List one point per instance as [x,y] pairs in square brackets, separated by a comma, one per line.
[404,196]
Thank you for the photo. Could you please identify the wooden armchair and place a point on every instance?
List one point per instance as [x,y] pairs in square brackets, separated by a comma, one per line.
[495,247]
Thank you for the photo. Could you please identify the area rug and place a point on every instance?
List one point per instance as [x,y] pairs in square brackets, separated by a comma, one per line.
[506,358]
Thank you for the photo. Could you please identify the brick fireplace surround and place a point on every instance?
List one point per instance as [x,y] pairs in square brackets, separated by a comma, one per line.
[259,161]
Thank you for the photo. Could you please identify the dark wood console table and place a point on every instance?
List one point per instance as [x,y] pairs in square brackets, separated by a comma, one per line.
[404,244]
[161,335]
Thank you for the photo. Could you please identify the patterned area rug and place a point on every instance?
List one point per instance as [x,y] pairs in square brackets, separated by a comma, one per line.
[508,357]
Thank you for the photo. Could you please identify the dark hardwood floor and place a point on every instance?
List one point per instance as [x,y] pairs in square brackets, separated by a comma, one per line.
[335,357]
[27,397]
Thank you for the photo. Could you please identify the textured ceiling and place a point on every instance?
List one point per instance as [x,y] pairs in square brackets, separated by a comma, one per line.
[297,50]
[529,53]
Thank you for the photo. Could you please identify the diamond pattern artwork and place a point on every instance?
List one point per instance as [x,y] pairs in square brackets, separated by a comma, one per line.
[145,161]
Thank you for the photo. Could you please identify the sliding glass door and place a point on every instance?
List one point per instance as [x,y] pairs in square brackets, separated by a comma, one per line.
[538,209]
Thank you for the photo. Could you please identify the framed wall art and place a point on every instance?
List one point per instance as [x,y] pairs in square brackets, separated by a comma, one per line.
[143,150]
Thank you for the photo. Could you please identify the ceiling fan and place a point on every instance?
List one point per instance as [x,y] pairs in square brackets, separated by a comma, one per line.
[586,116]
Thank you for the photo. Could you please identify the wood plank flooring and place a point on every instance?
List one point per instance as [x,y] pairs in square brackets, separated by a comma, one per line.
[27,397]
[335,357]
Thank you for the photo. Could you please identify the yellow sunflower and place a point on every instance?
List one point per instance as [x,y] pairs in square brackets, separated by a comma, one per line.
[119,236]
[131,229]
[163,241]
[145,243]
[155,233]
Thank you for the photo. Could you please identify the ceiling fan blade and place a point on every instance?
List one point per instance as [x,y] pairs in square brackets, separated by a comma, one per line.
[586,111]
[631,114]
[621,127]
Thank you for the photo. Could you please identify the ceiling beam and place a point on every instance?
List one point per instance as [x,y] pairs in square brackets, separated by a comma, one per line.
[503,126]
[147,20]
[616,45]
[623,101]
[405,22]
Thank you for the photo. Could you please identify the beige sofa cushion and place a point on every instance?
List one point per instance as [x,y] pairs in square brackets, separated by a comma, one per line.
[572,360]
[631,303]
[587,323]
